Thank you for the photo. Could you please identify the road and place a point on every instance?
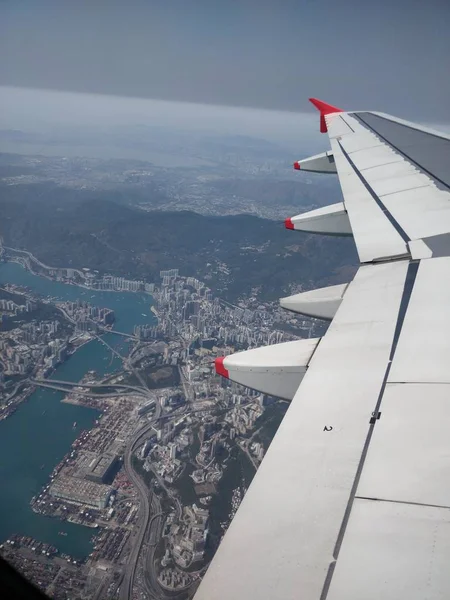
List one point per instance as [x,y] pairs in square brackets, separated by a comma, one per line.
[38,262]
[127,363]
[145,497]
[126,587]
[150,576]
[149,529]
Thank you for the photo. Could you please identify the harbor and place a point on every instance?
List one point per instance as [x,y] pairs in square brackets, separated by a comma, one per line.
[41,431]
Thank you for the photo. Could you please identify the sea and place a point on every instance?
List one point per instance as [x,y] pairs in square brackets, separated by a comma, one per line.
[35,438]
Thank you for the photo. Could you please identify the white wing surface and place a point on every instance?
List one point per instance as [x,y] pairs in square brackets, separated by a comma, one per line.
[352,500]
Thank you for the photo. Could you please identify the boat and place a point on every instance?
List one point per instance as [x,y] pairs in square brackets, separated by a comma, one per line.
[143,314]
[74,424]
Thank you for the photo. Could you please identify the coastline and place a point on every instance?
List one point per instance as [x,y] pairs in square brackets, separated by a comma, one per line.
[129,307]
[10,409]
[16,402]
[28,262]
[25,264]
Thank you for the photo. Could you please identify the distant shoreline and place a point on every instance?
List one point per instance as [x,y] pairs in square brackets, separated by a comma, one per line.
[28,268]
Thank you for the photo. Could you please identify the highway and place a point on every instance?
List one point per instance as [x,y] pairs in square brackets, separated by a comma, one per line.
[37,261]
[126,587]
[145,495]
[150,576]
[149,526]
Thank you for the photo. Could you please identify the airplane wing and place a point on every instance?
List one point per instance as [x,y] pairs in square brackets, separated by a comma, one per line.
[352,500]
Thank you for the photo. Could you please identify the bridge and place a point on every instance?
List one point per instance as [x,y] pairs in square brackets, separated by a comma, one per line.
[82,392]
[113,350]
[127,335]
[60,385]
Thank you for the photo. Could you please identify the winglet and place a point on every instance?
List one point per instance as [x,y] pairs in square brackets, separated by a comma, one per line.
[324,109]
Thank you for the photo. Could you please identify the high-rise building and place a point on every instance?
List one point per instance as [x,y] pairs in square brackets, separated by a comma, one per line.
[169,273]
[172,450]
[190,308]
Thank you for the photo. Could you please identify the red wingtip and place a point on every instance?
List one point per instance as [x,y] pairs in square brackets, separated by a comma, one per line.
[297,165]
[288,223]
[325,109]
[220,369]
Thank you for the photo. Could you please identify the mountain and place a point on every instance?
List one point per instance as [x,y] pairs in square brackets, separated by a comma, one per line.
[235,254]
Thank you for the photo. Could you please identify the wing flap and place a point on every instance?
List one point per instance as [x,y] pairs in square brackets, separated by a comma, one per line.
[408,456]
[422,211]
[423,350]
[393,551]
[376,238]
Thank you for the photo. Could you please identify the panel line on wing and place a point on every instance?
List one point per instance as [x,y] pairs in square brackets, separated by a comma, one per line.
[397,149]
[406,296]
[416,187]
[419,382]
[389,216]
[347,123]
[328,578]
[411,275]
[402,502]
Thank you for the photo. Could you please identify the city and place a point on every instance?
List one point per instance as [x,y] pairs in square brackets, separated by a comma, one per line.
[148,477]
[224,300]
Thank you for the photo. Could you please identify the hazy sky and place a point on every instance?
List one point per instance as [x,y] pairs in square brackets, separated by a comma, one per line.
[71,116]
[389,55]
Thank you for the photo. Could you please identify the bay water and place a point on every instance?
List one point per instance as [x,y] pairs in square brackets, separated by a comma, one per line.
[37,436]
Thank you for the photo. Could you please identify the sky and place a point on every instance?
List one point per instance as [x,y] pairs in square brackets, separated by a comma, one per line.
[389,55]
[91,118]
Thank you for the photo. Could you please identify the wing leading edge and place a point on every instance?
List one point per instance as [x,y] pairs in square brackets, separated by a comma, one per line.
[352,499]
